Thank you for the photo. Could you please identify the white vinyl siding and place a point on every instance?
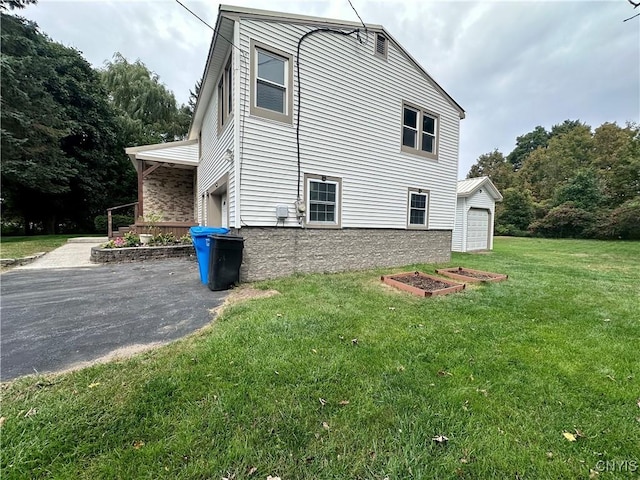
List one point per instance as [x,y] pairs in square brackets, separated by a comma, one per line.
[214,161]
[477,201]
[338,136]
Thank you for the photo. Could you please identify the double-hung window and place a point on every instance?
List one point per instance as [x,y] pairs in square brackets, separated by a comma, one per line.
[323,200]
[419,131]
[225,94]
[418,208]
[271,83]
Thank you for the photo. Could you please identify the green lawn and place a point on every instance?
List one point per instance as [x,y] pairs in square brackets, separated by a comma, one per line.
[502,370]
[19,247]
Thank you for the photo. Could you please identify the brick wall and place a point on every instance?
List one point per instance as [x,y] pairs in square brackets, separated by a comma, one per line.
[169,191]
[137,254]
[275,252]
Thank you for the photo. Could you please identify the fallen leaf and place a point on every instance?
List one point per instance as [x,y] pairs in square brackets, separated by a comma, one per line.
[269,477]
[94,385]
[341,337]
[638,403]
[325,425]
[569,436]
[314,350]
[610,377]
[354,341]
[578,433]
[392,308]
[471,377]
[464,460]
[276,372]
[251,471]
[401,368]
[2,420]
[440,439]
[138,444]
[484,392]
[30,413]
[278,315]
[593,474]
[323,402]
[444,373]
[549,455]
[343,402]
[607,319]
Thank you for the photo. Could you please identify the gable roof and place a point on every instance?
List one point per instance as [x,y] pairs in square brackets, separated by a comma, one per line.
[468,187]
[224,29]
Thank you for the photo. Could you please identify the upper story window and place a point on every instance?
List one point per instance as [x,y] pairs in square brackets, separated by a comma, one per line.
[323,201]
[381,45]
[419,131]
[225,94]
[271,83]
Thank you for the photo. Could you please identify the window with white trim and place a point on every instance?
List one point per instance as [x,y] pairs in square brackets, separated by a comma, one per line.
[419,131]
[271,83]
[323,200]
[418,208]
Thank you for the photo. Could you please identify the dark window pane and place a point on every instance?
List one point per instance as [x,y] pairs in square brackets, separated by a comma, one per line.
[417,217]
[270,97]
[381,42]
[428,143]
[331,187]
[330,213]
[410,118]
[229,87]
[428,124]
[270,68]
[418,201]
[409,137]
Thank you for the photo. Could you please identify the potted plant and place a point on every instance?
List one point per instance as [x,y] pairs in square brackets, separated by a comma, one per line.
[150,222]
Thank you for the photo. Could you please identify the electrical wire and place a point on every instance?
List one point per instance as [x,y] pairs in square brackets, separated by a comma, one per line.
[366,31]
[306,35]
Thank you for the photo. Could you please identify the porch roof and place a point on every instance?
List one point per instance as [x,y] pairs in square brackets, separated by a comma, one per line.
[183,153]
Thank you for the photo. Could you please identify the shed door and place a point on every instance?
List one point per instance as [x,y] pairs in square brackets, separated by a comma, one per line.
[477,229]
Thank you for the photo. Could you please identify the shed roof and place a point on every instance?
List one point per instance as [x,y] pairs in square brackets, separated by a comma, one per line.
[469,186]
[184,152]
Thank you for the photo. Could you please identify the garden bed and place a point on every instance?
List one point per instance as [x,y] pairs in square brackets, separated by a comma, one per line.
[422,284]
[138,254]
[471,275]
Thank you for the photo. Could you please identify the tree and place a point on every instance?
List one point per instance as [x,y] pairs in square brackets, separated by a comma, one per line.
[61,157]
[147,110]
[13,4]
[582,190]
[193,96]
[515,212]
[526,144]
[494,166]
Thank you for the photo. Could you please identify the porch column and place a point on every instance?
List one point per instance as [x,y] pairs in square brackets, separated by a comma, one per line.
[140,170]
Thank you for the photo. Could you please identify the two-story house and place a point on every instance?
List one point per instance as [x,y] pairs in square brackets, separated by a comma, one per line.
[322,142]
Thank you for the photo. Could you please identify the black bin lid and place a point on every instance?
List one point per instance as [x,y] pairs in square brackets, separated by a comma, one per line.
[227,238]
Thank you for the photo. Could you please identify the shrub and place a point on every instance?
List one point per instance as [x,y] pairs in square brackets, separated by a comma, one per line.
[563,221]
[622,222]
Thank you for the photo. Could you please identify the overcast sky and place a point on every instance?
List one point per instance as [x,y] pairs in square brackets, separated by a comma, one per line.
[510,65]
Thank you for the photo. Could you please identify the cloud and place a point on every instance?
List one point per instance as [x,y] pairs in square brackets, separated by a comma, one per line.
[511,65]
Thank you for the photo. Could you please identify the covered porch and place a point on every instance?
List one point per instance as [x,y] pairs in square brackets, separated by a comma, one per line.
[167,179]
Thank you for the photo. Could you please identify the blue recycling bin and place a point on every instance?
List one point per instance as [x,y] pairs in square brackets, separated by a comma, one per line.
[201,242]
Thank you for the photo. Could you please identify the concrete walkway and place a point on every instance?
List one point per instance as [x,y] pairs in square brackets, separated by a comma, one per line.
[75,253]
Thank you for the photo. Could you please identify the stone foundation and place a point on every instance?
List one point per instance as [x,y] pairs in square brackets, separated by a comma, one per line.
[275,252]
[137,254]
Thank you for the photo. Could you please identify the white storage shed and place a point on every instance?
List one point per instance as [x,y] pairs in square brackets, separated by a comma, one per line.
[475,212]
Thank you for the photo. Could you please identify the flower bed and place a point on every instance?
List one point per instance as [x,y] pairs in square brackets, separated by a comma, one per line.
[422,284]
[130,249]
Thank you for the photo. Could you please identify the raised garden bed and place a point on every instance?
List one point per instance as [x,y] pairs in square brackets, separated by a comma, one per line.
[470,275]
[138,254]
[422,284]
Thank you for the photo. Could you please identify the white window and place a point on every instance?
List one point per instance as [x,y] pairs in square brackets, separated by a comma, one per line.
[418,208]
[323,200]
[419,131]
[271,83]
[381,45]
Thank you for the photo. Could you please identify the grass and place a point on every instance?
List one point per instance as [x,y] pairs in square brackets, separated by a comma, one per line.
[502,370]
[19,247]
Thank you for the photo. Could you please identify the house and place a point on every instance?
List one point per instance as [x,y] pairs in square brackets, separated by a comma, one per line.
[475,212]
[322,142]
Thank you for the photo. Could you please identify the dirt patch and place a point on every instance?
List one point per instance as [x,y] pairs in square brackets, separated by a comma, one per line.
[243,294]
[422,284]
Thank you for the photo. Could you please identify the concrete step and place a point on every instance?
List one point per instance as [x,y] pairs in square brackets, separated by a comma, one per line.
[88,240]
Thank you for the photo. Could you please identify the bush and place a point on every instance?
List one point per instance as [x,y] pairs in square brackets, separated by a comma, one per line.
[622,222]
[510,231]
[564,221]
[100,222]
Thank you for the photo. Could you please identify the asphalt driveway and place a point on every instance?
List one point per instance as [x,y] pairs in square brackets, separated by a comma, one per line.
[53,319]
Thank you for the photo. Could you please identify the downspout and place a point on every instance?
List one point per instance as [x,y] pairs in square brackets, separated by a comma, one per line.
[237,124]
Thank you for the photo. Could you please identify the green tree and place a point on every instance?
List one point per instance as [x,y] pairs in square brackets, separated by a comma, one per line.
[582,190]
[495,166]
[526,144]
[515,212]
[61,159]
[148,112]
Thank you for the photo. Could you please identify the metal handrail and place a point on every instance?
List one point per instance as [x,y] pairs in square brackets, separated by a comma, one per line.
[110,221]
